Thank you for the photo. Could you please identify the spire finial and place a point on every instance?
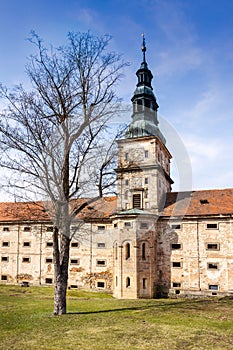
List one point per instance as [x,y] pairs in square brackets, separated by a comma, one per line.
[144,47]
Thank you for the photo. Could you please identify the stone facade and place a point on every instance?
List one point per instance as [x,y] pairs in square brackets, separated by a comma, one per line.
[147,242]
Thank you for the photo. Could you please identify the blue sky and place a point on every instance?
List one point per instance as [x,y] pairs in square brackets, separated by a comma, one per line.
[189,50]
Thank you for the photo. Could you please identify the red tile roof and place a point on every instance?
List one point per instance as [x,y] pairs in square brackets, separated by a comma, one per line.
[194,203]
[101,208]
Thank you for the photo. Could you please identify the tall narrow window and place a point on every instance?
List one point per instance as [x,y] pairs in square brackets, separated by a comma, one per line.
[127,251]
[143,251]
[144,283]
[137,201]
[116,251]
[127,282]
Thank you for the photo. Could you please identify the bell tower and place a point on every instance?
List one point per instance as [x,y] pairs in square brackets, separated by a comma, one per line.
[143,181]
[143,159]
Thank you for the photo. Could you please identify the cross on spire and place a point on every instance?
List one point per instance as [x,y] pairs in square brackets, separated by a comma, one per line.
[144,47]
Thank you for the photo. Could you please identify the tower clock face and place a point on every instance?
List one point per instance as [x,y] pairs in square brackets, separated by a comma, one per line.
[136,154]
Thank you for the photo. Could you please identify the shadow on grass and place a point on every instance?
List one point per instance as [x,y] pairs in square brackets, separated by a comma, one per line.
[185,304]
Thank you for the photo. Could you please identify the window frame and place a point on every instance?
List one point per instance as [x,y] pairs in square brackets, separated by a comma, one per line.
[176,263]
[102,264]
[208,226]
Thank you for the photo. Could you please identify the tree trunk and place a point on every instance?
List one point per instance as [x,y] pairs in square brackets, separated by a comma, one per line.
[61,266]
[60,287]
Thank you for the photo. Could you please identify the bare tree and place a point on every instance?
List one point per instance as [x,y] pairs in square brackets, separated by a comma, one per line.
[49,135]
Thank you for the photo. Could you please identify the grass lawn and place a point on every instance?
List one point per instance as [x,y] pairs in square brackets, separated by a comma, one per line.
[99,322]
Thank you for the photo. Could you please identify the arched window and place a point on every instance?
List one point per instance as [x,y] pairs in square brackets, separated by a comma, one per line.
[127,282]
[143,251]
[127,251]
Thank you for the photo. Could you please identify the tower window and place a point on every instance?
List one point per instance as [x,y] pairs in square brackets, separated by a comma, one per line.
[146,180]
[143,251]
[126,182]
[127,251]
[127,282]
[139,105]
[101,228]
[126,156]
[137,201]
[146,154]
[144,283]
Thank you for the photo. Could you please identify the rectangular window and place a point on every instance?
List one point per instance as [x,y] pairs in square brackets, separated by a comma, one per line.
[213,246]
[126,156]
[137,201]
[213,286]
[101,245]
[176,284]
[27,228]
[146,154]
[48,280]
[26,260]
[100,284]
[49,260]
[6,244]
[126,182]
[146,181]
[127,224]
[176,264]
[176,246]
[101,228]
[26,244]
[73,286]
[144,283]
[175,226]
[5,258]
[212,266]
[49,244]
[74,261]
[100,263]
[49,229]
[6,229]
[214,226]
[115,225]
[3,277]
[144,225]
[74,244]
